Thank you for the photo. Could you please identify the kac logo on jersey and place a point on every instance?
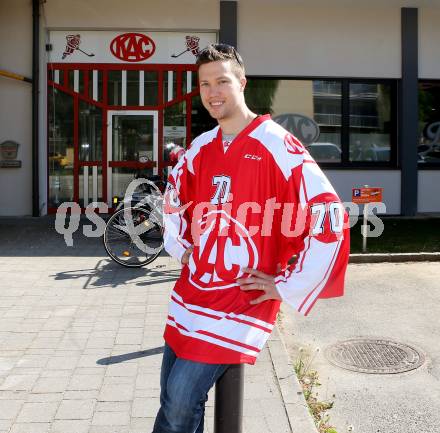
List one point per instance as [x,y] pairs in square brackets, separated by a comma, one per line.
[223,248]
[171,199]
[293,145]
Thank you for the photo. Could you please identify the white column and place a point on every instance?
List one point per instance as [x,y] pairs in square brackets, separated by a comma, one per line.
[170,85]
[109,158]
[76,81]
[188,81]
[141,88]
[86,185]
[95,183]
[124,88]
[95,85]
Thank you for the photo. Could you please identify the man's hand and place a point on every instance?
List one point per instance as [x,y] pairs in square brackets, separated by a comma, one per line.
[187,255]
[259,281]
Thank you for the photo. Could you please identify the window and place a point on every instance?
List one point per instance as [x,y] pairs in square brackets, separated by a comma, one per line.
[90,132]
[310,110]
[150,88]
[341,122]
[169,85]
[174,128]
[370,122]
[95,85]
[133,78]
[114,87]
[60,157]
[201,121]
[429,123]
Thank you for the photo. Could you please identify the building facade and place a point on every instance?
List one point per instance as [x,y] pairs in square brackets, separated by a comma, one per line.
[358,83]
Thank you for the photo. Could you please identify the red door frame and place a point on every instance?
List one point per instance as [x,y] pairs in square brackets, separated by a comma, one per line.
[102,103]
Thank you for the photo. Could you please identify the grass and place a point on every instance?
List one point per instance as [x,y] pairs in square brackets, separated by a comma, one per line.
[400,235]
[309,381]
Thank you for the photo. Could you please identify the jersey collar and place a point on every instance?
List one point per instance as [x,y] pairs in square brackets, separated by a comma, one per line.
[244,132]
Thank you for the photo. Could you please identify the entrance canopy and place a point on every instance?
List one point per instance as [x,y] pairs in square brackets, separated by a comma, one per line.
[113,107]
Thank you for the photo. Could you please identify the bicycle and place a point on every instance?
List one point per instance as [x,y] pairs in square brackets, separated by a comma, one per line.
[133,235]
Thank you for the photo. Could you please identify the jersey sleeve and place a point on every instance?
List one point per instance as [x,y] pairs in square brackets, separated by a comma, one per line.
[177,227]
[320,243]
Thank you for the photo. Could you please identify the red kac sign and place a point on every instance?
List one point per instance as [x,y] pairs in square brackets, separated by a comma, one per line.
[132,47]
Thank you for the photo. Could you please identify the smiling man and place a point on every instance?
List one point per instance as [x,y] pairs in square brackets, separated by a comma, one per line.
[254,222]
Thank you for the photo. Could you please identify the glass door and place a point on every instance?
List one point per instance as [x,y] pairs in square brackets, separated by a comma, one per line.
[132,147]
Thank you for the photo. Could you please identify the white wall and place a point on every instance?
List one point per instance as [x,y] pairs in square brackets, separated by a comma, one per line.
[428,191]
[299,38]
[345,180]
[288,38]
[429,46]
[133,14]
[16,104]
[429,67]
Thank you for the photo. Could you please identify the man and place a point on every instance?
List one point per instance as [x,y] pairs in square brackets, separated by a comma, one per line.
[243,201]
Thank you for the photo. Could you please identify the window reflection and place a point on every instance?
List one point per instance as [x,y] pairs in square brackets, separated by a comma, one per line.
[174,128]
[133,138]
[114,87]
[95,85]
[312,111]
[309,109]
[90,185]
[90,132]
[133,87]
[150,88]
[201,121]
[429,122]
[169,85]
[370,122]
[60,137]
[122,176]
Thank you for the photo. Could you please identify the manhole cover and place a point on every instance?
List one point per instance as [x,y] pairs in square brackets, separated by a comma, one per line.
[374,356]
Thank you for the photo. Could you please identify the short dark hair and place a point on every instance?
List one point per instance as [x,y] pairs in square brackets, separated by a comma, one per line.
[221,52]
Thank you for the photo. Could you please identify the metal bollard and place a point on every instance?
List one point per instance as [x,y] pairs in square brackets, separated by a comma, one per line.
[228,410]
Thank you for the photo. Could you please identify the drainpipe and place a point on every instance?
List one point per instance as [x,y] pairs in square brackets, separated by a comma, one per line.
[35,114]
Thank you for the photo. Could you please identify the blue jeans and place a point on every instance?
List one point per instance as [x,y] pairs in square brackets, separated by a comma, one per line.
[184,391]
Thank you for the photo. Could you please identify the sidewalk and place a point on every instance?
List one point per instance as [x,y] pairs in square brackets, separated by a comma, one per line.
[81,343]
[391,301]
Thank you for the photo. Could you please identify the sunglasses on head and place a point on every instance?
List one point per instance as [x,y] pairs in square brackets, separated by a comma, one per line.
[228,49]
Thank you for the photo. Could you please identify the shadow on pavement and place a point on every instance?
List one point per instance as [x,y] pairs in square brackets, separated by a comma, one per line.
[37,237]
[128,356]
[108,273]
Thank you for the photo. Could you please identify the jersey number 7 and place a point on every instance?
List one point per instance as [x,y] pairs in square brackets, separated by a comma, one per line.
[223,184]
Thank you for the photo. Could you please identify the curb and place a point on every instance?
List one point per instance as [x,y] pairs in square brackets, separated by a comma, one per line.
[394,257]
[295,404]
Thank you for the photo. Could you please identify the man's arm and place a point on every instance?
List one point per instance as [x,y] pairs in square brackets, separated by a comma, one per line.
[321,244]
[177,227]
[322,257]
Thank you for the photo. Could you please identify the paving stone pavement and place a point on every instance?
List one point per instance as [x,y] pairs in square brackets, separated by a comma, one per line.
[81,343]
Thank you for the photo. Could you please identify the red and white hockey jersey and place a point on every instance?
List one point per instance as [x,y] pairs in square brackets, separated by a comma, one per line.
[257,205]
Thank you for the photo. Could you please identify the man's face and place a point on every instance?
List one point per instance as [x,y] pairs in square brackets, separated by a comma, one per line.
[221,89]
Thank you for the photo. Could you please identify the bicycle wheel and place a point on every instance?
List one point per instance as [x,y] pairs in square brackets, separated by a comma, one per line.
[119,239]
